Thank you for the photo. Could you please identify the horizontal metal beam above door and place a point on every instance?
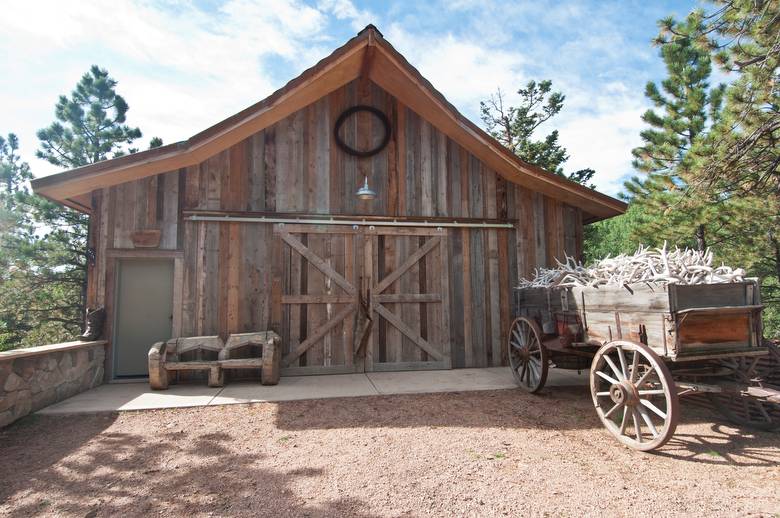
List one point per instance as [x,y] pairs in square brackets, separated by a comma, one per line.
[350,222]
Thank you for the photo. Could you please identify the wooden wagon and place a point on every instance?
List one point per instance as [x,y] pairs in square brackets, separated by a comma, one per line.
[648,345]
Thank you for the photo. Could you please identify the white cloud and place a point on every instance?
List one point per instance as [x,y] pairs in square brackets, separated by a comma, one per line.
[463,70]
[346,10]
[599,124]
[180,67]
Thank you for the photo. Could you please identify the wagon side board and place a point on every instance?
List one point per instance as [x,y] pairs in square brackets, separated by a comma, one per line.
[677,322]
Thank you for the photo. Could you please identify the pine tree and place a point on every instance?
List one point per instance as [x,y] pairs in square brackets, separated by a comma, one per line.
[43,291]
[742,153]
[90,127]
[684,107]
[90,124]
[515,126]
[738,162]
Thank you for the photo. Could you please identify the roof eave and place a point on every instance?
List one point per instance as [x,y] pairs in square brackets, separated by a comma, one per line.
[340,67]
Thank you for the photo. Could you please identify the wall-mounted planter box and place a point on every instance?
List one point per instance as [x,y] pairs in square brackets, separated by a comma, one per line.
[146,238]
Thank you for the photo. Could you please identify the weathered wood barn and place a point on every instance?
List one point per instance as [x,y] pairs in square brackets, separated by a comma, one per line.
[257,224]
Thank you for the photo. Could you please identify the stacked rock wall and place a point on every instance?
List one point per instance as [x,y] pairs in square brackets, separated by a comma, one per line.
[31,379]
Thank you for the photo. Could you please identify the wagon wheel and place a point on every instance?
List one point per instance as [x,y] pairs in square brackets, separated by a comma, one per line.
[747,411]
[527,355]
[634,394]
[744,410]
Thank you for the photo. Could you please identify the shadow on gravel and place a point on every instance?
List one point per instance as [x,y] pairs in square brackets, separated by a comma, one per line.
[173,472]
[701,436]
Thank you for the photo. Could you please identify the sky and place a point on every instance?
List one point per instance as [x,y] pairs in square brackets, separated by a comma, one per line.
[183,66]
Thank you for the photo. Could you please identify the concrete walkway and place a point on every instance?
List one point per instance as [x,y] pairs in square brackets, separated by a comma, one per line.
[138,396]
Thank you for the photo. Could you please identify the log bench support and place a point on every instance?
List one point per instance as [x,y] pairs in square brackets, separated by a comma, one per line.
[164,358]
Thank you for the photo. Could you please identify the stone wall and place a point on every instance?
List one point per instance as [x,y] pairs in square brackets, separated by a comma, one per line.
[33,378]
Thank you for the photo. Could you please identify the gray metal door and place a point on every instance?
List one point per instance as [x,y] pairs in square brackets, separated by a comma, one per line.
[144,312]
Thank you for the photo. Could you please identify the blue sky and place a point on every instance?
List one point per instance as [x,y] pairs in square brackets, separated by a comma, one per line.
[183,66]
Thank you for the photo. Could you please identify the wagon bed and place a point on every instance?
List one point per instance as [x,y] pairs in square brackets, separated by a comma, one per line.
[679,322]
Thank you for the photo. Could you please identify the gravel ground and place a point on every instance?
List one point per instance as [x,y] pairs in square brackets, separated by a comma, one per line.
[459,454]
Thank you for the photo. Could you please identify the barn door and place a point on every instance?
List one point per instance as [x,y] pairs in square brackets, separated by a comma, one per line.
[356,299]
[407,288]
[319,297]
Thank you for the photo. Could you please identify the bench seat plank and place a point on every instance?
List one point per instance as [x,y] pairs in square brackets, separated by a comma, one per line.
[190,366]
[241,363]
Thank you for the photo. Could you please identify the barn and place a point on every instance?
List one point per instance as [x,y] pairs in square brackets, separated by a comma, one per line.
[355,212]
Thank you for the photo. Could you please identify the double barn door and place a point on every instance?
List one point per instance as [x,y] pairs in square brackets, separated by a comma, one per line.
[360,299]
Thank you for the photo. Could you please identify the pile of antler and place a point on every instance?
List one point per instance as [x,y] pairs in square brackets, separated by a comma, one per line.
[645,266]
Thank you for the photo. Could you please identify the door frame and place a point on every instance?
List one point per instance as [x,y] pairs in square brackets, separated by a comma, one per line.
[113,256]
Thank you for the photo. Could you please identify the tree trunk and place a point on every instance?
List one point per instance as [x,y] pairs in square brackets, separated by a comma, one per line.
[776,249]
[701,241]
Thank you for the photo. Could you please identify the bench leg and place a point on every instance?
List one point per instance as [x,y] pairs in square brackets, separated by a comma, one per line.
[216,376]
[269,374]
[158,376]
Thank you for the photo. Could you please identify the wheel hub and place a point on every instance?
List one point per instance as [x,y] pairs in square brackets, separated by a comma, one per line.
[623,393]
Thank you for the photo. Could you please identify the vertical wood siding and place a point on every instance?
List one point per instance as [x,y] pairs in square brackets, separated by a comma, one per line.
[233,274]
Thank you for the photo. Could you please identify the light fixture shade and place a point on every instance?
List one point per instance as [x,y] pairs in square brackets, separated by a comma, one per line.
[365,193]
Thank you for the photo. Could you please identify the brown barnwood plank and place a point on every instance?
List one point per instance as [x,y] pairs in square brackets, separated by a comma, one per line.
[312,339]
[408,263]
[317,262]
[445,314]
[408,298]
[468,301]
[409,332]
[318,299]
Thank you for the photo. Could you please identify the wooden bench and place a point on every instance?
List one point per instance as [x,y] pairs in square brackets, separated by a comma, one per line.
[165,357]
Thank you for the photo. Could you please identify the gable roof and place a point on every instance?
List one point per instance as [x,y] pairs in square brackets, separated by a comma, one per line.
[366,55]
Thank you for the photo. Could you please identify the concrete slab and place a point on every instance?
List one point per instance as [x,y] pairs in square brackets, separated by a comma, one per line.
[132,396]
[414,382]
[138,396]
[297,387]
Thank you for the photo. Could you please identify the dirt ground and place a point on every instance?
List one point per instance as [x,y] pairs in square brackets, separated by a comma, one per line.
[497,453]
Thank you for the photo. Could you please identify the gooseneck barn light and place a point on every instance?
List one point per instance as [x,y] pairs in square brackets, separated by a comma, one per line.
[365,193]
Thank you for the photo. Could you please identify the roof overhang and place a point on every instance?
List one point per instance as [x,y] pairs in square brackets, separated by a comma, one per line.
[366,54]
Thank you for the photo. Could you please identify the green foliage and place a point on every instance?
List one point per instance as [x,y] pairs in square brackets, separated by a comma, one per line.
[34,291]
[515,126]
[613,236]
[711,156]
[742,153]
[684,107]
[90,124]
[43,257]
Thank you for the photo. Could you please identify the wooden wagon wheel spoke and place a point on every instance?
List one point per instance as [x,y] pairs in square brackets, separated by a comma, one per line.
[611,411]
[644,377]
[623,367]
[650,392]
[637,428]
[527,355]
[634,366]
[645,424]
[763,411]
[651,406]
[614,368]
[624,421]
[608,378]
[648,421]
